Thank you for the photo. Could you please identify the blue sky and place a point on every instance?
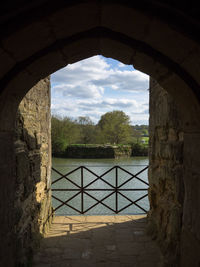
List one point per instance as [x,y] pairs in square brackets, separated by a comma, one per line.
[96,85]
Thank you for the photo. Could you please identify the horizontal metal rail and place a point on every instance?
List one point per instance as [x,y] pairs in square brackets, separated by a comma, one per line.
[116,189]
[101,189]
[100,165]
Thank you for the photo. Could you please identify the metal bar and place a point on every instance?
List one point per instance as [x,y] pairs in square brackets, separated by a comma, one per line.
[100,189]
[67,199]
[73,208]
[133,202]
[99,177]
[132,189]
[141,180]
[116,188]
[96,166]
[145,211]
[136,173]
[133,176]
[100,202]
[65,203]
[82,198]
[64,176]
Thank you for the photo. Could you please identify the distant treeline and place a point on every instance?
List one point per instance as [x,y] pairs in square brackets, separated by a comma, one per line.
[113,128]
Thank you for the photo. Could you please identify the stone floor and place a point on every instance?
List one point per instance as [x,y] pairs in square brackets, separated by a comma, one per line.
[97,241]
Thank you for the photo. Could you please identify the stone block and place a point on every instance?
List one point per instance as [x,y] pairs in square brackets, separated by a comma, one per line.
[139,21]
[47,64]
[23,167]
[81,49]
[121,52]
[162,36]
[66,18]
[28,40]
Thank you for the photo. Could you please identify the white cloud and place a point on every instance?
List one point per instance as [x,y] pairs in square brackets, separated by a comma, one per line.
[89,91]
[96,73]
[121,65]
[93,68]
[93,86]
[95,108]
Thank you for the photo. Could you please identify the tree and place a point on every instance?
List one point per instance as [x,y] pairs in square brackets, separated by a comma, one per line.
[57,139]
[87,130]
[71,131]
[136,134]
[63,132]
[115,127]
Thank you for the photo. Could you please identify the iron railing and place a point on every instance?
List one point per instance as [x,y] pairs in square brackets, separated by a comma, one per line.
[116,189]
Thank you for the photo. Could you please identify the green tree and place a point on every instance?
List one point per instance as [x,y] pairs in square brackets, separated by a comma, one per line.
[87,130]
[71,131]
[57,138]
[63,132]
[136,134]
[115,127]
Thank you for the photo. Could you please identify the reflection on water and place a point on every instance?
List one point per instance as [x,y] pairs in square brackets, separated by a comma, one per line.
[100,167]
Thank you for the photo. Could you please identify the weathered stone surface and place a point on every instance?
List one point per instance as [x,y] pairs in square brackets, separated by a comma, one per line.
[33,161]
[105,246]
[166,191]
[190,234]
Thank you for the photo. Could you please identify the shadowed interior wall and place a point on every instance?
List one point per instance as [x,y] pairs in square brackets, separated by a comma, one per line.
[33,169]
[174,181]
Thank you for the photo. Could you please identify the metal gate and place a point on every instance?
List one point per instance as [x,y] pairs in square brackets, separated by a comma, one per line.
[85,190]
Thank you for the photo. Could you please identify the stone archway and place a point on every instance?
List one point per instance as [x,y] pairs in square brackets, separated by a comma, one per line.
[157,38]
[39,45]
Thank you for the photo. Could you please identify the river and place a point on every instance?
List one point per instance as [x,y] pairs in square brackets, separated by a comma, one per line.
[100,166]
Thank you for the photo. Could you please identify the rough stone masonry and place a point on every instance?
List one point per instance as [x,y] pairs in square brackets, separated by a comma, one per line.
[33,171]
[166,192]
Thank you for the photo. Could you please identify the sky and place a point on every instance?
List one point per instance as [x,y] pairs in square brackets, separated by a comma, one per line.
[94,86]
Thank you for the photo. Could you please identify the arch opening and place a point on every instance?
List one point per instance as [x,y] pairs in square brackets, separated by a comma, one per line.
[32,96]
[154,189]
[136,36]
[101,107]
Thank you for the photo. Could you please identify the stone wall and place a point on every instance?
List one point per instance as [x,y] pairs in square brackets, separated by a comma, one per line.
[190,232]
[33,171]
[166,191]
[95,151]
